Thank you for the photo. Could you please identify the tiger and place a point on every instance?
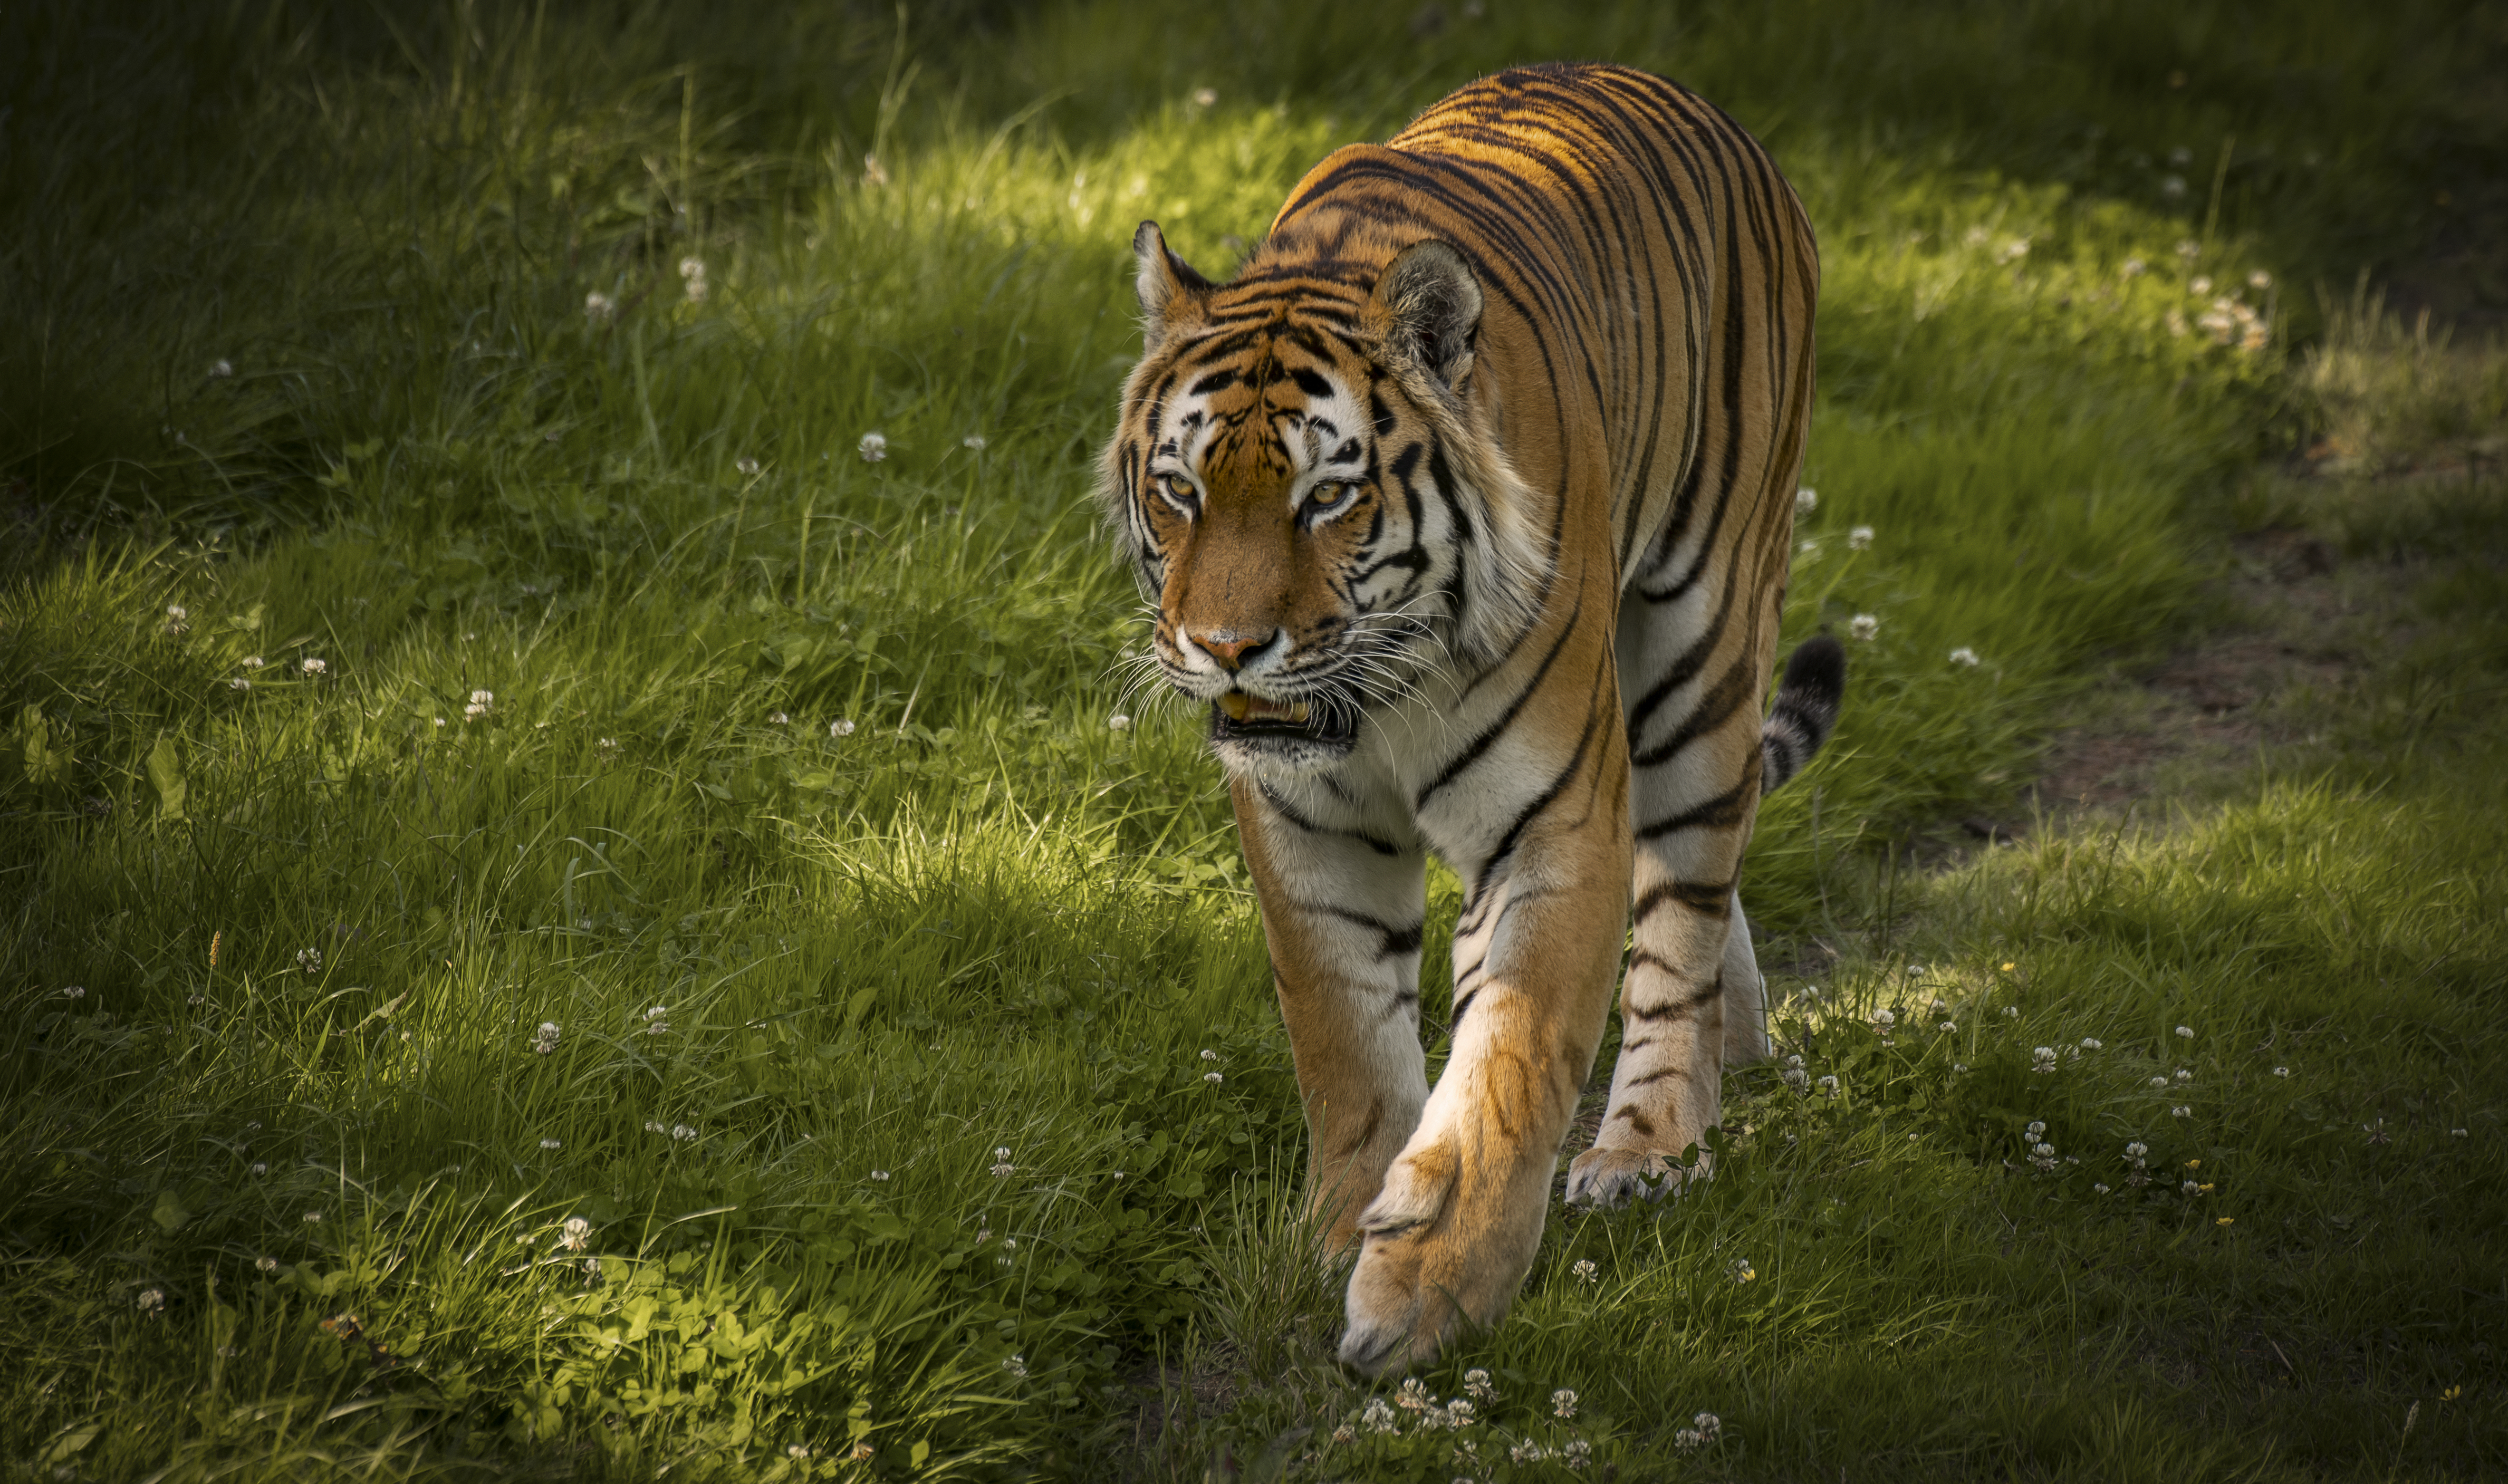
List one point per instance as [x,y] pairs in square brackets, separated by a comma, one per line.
[1465,508]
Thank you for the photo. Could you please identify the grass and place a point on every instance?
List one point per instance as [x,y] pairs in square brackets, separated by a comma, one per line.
[913,1077]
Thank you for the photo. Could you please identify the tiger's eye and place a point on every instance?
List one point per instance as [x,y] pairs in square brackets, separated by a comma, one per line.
[1180,487]
[1326,495]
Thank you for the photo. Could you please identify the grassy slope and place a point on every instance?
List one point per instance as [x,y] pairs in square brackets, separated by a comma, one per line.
[982,919]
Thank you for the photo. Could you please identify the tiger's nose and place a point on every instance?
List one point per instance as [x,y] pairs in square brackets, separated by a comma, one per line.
[1226,646]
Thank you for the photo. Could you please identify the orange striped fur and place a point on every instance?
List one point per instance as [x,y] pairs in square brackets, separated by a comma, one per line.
[1466,507]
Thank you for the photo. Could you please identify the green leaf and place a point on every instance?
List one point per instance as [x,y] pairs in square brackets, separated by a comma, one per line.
[170,1213]
[166,772]
[72,1442]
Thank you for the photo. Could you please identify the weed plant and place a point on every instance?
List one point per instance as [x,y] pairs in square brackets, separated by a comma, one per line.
[586,895]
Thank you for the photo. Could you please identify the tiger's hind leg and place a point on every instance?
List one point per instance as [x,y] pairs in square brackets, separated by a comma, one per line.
[1746,995]
[1694,673]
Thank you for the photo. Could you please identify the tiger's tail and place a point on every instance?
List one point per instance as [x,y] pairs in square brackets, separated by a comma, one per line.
[1806,709]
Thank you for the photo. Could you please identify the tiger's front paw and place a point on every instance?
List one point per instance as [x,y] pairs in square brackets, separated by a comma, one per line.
[1601,1177]
[1443,1253]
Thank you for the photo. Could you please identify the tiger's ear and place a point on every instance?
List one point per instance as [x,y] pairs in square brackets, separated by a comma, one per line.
[1427,308]
[1171,290]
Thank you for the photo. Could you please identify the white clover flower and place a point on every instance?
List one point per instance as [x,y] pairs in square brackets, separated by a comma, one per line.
[2098,1189]
[2281,1071]
[152,1301]
[1948,1025]
[238,683]
[2043,1060]
[747,466]
[2189,1187]
[1806,501]
[841,726]
[1859,537]
[253,662]
[1118,723]
[606,744]
[2202,284]
[1884,1019]
[2183,1075]
[797,1451]
[972,442]
[1576,1455]
[260,1167]
[1563,1403]
[2011,1011]
[1863,626]
[2260,279]
[2035,1127]
[1203,97]
[2185,1031]
[880,1175]
[1378,1417]
[266,1264]
[1959,1066]
[1477,1384]
[2159,1082]
[2182,1110]
[1795,1077]
[2134,268]
[1003,1170]
[655,1126]
[1965,657]
[1740,1271]
[599,308]
[1709,1424]
[1810,548]
[2188,250]
[1458,1413]
[682,1132]
[1584,1270]
[2459,1133]
[544,1040]
[311,666]
[308,960]
[2090,1043]
[550,1143]
[1016,1365]
[694,272]
[312,1218]
[873,447]
[1213,1078]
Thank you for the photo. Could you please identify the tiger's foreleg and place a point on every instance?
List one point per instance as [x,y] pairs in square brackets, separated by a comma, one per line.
[1342,912]
[1454,1228]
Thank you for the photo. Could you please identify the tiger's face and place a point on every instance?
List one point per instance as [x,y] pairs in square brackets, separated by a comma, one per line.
[1284,495]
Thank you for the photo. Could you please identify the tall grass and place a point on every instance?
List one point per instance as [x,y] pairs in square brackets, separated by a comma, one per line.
[433,619]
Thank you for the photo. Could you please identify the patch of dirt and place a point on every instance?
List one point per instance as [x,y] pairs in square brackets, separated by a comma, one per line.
[2299,624]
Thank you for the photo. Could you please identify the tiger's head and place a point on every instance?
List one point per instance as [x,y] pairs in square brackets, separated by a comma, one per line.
[1307,481]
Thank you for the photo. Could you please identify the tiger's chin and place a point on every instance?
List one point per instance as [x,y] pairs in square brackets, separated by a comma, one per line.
[1256,735]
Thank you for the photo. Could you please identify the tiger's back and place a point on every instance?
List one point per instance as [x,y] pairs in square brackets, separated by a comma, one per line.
[1654,279]
[1467,503]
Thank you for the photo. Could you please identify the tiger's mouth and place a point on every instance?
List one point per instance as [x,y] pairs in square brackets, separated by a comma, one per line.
[1236,717]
